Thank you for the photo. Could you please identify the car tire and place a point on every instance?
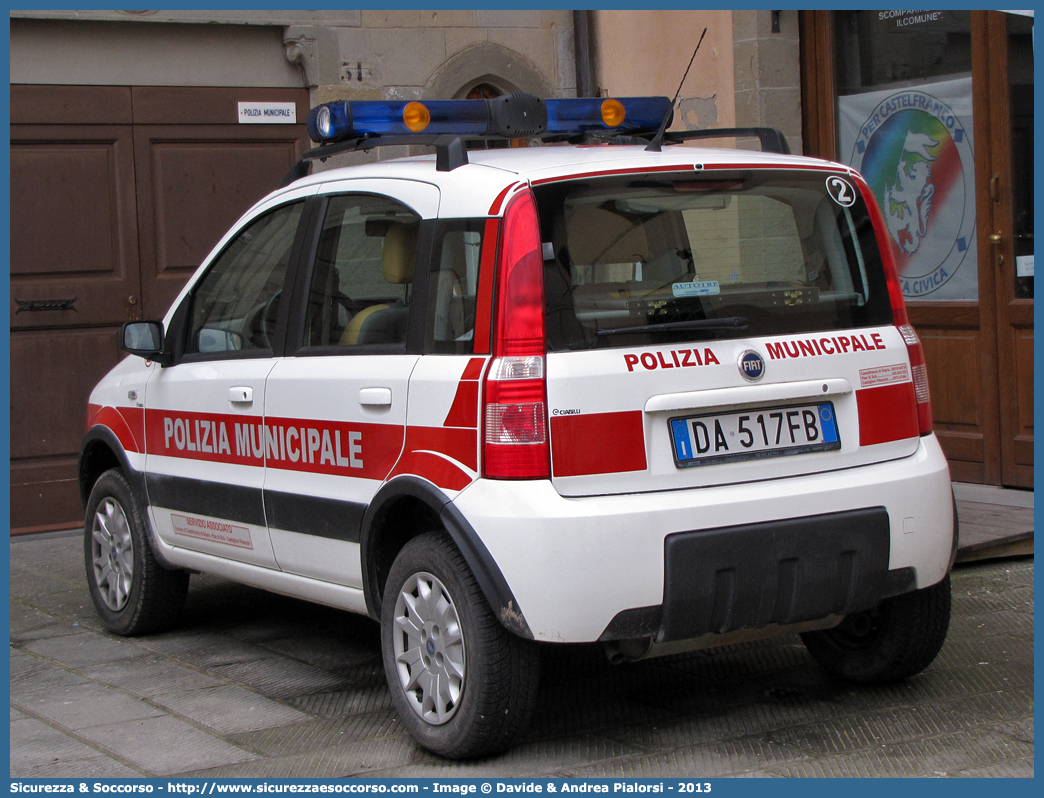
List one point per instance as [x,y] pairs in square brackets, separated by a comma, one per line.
[462,684]
[132,592]
[899,638]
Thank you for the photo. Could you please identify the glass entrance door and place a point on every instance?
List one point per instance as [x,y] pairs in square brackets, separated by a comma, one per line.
[1010,65]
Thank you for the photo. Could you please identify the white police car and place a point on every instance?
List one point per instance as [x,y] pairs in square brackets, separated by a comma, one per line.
[662,397]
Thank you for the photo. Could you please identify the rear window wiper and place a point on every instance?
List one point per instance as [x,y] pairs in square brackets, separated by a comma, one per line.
[724,323]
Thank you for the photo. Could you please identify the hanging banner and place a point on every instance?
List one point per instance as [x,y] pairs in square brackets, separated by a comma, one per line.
[914,147]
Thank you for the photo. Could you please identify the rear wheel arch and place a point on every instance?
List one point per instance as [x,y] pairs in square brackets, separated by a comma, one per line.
[409,506]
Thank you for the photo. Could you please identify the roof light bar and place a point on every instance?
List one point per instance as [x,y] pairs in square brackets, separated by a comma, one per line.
[508,116]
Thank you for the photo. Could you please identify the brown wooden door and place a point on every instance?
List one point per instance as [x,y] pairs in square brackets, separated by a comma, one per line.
[978,351]
[74,263]
[198,171]
[1008,61]
[117,194]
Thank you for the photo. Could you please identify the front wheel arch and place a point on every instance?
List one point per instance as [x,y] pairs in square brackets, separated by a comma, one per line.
[100,451]
[132,592]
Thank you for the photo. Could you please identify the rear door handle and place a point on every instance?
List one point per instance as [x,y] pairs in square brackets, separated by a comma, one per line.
[241,396]
[375,397]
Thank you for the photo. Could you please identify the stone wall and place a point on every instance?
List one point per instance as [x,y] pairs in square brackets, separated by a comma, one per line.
[639,53]
[768,72]
[402,54]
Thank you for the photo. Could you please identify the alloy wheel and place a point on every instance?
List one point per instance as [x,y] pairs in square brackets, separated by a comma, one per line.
[112,551]
[429,648]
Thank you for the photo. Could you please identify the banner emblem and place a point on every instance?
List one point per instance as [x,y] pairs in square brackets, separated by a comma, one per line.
[916,156]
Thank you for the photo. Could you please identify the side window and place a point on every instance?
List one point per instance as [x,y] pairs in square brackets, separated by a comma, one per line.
[453,286]
[235,305]
[360,289]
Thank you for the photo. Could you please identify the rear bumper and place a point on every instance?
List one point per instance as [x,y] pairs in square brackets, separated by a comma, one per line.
[575,564]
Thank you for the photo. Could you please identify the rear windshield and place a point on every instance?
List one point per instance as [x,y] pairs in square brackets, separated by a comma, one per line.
[654,260]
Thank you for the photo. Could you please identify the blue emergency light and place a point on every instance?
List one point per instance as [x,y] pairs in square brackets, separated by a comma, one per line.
[509,116]
[624,115]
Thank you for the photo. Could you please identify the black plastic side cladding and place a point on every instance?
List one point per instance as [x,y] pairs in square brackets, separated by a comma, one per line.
[487,573]
[101,439]
[98,439]
[956,532]
[480,561]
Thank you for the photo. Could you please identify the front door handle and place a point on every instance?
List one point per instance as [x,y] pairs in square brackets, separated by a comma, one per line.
[375,397]
[241,396]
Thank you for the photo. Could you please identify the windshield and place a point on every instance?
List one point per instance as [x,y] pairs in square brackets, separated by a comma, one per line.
[650,259]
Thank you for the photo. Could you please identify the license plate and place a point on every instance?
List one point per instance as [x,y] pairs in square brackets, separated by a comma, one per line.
[754,434]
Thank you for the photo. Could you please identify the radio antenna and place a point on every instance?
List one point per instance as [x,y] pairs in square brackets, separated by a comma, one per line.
[657,140]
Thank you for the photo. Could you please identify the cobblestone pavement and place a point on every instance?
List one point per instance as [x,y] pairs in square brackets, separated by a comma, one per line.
[253,684]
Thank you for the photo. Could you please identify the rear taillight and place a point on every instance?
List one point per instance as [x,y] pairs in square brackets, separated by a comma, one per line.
[514,437]
[920,378]
[902,321]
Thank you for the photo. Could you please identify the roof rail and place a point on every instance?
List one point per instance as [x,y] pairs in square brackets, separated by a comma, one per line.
[450,151]
[772,139]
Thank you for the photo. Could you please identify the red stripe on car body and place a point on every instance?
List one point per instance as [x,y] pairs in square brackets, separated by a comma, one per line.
[597,443]
[887,413]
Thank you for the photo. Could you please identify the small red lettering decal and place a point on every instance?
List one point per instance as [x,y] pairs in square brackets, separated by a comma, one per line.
[632,361]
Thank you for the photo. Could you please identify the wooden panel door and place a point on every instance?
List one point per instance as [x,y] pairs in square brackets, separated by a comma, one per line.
[195,180]
[117,194]
[74,276]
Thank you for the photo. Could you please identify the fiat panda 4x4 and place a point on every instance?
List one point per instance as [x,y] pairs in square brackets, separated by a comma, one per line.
[610,388]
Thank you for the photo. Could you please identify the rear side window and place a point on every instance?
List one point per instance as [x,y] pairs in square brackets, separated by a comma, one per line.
[648,260]
[453,286]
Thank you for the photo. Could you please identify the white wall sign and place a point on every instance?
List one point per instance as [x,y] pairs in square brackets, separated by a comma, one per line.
[268,113]
[914,147]
[1024,266]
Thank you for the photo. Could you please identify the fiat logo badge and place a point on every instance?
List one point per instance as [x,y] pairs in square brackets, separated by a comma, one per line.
[751,366]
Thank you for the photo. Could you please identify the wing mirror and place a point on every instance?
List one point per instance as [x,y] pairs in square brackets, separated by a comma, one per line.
[145,339]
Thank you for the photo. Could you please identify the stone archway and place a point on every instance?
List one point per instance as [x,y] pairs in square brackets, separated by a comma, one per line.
[488,63]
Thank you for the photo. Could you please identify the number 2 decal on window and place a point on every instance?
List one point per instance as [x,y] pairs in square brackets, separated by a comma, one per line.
[841,191]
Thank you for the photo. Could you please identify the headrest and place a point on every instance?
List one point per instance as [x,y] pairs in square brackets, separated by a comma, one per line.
[597,235]
[400,252]
[453,254]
